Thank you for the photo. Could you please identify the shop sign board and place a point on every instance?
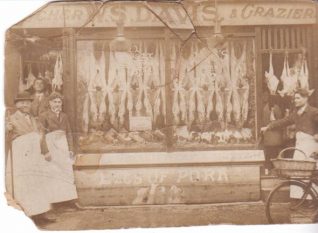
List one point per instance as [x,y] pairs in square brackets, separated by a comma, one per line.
[58,15]
[168,185]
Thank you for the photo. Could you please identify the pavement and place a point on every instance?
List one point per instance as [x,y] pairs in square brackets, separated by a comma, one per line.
[114,217]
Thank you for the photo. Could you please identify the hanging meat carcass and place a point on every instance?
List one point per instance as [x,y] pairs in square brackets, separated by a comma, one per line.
[290,82]
[219,100]
[57,81]
[85,113]
[303,75]
[196,101]
[30,79]
[271,80]
[97,87]
[225,60]
[179,102]
[237,73]
[179,105]
[158,81]
[211,89]
[126,104]
[144,74]
[243,96]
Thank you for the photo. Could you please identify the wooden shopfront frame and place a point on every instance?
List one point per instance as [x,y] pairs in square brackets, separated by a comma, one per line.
[201,172]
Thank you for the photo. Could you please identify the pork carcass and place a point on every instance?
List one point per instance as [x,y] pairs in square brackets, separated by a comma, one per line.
[96,91]
[158,80]
[30,79]
[126,98]
[211,90]
[244,95]
[238,74]
[144,75]
[86,113]
[219,100]
[57,81]
[179,103]
[271,80]
[225,60]
[196,103]
[290,82]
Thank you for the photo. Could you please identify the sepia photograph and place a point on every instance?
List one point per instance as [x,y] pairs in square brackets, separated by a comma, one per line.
[162,113]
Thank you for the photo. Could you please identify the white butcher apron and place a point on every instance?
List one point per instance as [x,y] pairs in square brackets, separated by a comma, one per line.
[62,186]
[307,144]
[29,184]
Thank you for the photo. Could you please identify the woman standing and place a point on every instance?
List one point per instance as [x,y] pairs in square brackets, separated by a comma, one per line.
[58,149]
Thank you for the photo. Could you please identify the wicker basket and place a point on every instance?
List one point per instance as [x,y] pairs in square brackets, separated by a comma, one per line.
[294,168]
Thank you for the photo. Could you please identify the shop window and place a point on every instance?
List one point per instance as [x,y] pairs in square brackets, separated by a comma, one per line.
[40,59]
[286,62]
[121,95]
[214,95]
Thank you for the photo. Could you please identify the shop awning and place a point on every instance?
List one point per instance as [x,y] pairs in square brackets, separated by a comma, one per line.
[174,14]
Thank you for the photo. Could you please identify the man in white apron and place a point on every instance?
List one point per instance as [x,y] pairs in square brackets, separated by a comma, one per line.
[305,118]
[58,149]
[26,168]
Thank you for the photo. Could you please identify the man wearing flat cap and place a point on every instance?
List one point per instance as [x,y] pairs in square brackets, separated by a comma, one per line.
[25,161]
[305,118]
[58,149]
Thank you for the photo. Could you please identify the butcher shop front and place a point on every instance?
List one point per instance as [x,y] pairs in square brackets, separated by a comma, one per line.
[166,98]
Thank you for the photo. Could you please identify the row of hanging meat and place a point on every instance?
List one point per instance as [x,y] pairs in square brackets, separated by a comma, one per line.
[132,85]
[291,77]
[218,84]
[53,78]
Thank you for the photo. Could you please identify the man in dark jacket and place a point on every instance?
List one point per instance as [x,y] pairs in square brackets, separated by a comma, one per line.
[305,118]
[40,101]
[58,149]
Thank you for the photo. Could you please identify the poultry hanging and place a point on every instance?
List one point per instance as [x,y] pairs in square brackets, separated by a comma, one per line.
[303,75]
[271,80]
[290,82]
[57,81]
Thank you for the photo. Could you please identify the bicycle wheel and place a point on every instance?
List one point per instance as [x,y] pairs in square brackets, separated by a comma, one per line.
[282,207]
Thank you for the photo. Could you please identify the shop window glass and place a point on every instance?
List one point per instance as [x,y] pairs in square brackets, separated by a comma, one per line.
[214,94]
[121,96]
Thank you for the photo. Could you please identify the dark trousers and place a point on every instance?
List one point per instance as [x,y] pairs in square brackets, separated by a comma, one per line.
[271,152]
